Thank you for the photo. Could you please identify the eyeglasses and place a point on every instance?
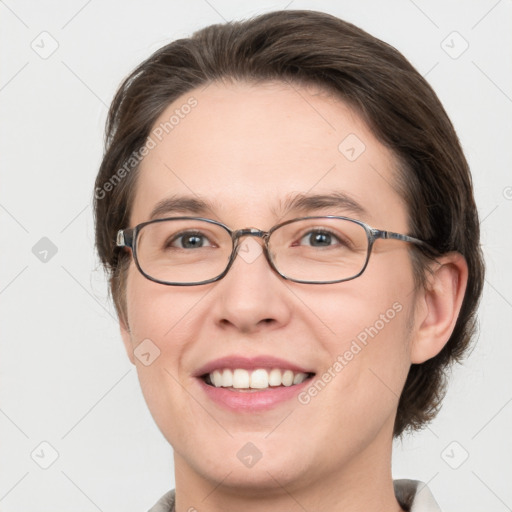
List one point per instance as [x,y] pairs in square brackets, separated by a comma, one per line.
[188,251]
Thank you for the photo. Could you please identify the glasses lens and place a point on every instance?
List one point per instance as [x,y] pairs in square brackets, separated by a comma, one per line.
[319,249]
[183,250]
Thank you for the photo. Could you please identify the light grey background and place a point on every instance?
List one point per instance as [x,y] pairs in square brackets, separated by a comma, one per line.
[65,379]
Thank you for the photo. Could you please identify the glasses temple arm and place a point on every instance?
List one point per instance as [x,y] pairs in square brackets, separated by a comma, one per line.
[377,233]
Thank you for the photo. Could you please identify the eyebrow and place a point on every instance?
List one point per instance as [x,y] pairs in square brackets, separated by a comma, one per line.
[309,203]
[183,204]
[296,204]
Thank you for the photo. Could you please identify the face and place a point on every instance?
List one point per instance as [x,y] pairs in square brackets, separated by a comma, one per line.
[246,152]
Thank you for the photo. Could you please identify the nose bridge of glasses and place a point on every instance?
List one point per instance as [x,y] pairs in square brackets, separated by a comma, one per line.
[249,252]
[258,233]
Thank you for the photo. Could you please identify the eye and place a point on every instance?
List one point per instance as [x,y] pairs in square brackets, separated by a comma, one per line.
[320,238]
[189,240]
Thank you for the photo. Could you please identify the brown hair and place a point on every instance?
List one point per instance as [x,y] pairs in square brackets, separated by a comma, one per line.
[308,47]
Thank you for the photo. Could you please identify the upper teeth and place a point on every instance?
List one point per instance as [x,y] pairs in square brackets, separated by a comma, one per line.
[256,379]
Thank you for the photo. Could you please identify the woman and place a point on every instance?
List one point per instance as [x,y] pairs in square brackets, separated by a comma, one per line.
[288,222]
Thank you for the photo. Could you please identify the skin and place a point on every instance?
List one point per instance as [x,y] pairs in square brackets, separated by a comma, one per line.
[246,149]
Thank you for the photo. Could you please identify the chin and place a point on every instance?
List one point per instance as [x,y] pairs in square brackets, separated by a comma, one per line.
[250,463]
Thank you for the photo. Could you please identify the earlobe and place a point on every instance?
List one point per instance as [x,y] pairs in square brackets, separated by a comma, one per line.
[440,305]
[127,339]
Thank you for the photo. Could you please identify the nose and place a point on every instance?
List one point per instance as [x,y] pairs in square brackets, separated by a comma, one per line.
[251,297]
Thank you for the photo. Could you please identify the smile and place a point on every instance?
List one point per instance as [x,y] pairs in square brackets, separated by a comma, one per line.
[252,384]
[240,379]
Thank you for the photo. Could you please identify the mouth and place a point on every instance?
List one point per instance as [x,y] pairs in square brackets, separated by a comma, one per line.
[259,379]
[252,384]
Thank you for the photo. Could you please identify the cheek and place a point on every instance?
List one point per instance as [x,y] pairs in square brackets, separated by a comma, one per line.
[365,326]
[161,313]
[162,321]
[365,369]
[367,316]
[367,335]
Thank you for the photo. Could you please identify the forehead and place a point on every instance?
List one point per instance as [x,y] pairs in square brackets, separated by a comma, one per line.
[248,149]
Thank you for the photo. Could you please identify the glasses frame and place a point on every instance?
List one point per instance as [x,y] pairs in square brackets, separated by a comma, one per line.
[128,238]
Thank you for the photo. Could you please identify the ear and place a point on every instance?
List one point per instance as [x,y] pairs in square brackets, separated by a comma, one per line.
[438,306]
[127,338]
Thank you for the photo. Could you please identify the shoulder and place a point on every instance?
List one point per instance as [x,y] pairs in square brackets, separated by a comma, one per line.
[415,496]
[165,503]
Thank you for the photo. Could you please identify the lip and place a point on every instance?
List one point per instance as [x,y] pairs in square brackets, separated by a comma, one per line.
[249,363]
[254,400]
